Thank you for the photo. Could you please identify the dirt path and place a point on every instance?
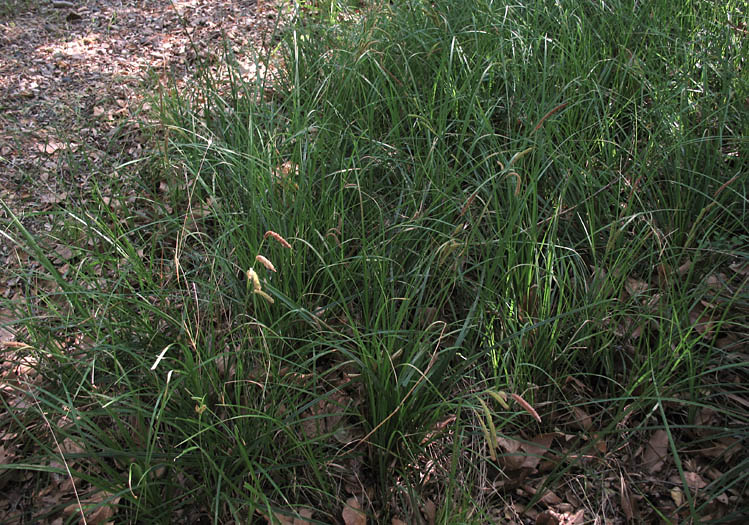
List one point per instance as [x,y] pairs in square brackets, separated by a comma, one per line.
[71,85]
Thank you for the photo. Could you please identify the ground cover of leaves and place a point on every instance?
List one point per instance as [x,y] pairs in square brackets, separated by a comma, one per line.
[71,80]
[71,85]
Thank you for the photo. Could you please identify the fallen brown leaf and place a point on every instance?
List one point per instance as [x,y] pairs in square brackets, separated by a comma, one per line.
[706,417]
[685,268]
[702,319]
[578,385]
[547,517]
[53,198]
[740,267]
[678,496]
[740,400]
[655,452]
[694,481]
[64,251]
[430,511]
[306,515]
[512,459]
[635,286]
[599,442]
[550,517]
[725,447]
[68,446]
[95,515]
[352,513]
[6,336]
[549,498]
[104,513]
[285,519]
[50,148]
[582,418]
[535,450]
[5,458]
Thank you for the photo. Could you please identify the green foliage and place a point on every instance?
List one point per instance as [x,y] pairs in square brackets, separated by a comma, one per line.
[479,196]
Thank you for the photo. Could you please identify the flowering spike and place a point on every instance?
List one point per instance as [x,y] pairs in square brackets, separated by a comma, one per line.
[526,406]
[265,262]
[281,240]
[264,296]
[252,276]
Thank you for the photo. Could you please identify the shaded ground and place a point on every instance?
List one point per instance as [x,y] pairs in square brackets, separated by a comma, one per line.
[71,84]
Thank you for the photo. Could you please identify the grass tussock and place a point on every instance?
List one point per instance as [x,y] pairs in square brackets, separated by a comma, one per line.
[448,236]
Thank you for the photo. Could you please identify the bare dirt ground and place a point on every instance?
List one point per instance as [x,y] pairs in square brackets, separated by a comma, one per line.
[72,81]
